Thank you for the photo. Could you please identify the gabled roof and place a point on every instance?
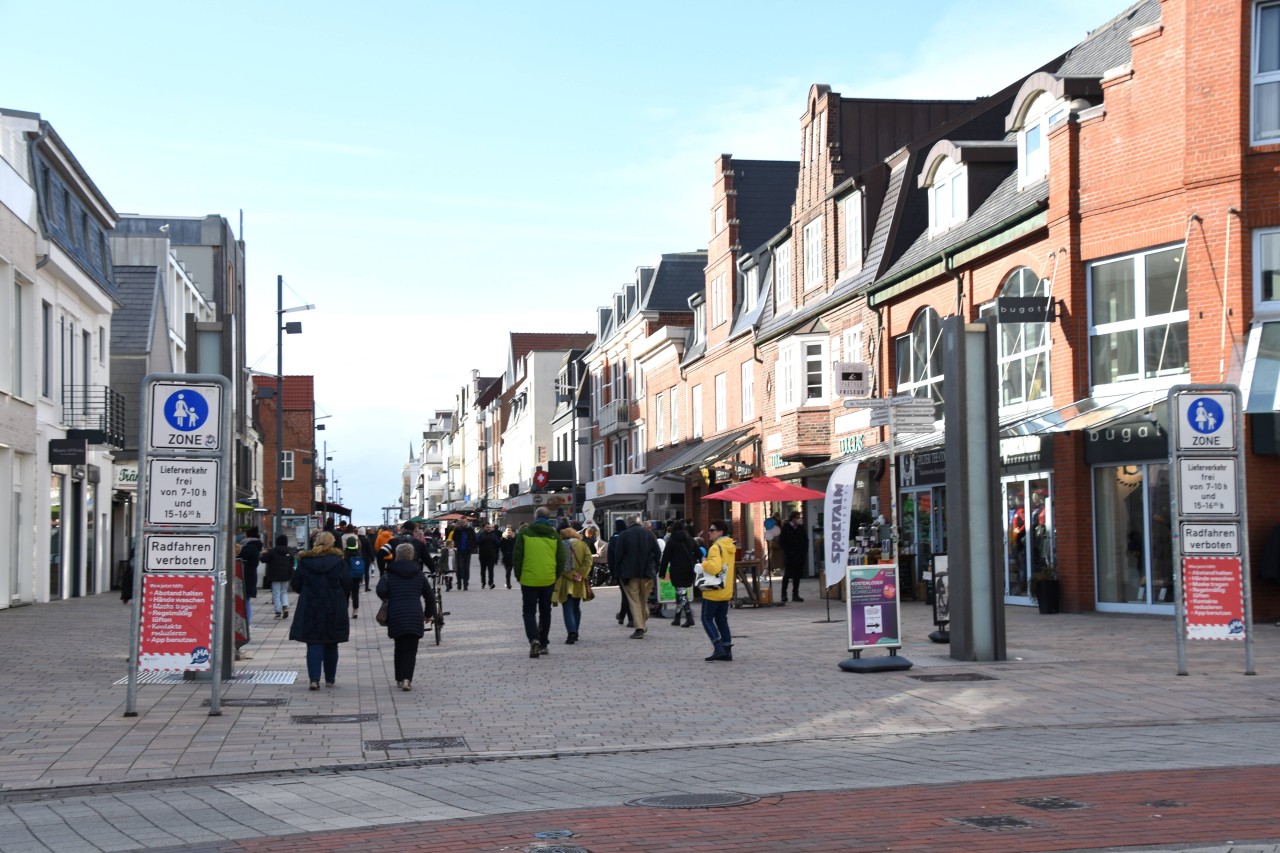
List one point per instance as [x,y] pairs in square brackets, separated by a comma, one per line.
[299,391]
[1108,46]
[489,387]
[675,277]
[766,190]
[141,298]
[523,343]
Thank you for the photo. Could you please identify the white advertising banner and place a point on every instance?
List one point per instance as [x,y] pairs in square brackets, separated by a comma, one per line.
[838,504]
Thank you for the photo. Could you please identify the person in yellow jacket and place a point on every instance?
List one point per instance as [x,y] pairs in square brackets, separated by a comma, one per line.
[572,588]
[715,602]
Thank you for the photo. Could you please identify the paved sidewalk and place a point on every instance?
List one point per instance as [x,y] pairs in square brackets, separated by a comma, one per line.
[598,723]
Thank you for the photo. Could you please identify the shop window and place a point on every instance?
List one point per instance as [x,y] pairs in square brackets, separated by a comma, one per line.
[1132,525]
[1023,347]
[1138,320]
[1028,540]
[1266,73]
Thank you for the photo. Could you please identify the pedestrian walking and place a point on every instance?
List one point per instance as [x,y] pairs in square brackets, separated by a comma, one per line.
[636,558]
[676,565]
[507,547]
[574,586]
[405,589]
[464,545]
[278,565]
[539,560]
[611,560]
[353,553]
[488,549]
[250,555]
[715,602]
[322,581]
[795,552]
[367,551]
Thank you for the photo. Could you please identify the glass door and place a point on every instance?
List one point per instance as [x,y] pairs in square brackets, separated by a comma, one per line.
[1134,540]
[1028,536]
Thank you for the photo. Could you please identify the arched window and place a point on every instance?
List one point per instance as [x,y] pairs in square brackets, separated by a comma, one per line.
[1024,347]
[919,359]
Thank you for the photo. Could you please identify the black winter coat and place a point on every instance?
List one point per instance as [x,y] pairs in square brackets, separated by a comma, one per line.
[507,545]
[638,553]
[250,553]
[278,565]
[678,558]
[407,592]
[323,584]
[488,546]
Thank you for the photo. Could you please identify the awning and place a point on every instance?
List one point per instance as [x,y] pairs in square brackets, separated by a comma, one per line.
[1260,379]
[1089,413]
[704,453]
[243,507]
[331,508]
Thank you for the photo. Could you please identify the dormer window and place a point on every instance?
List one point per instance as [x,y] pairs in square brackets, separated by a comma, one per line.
[948,196]
[750,288]
[783,295]
[851,225]
[1033,143]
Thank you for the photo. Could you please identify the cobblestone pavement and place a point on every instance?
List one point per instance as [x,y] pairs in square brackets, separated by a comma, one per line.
[501,744]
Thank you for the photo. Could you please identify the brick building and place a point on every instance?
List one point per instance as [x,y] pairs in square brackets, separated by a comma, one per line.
[299,456]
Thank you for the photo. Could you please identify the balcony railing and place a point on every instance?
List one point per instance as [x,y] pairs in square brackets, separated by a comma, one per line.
[96,413]
[614,417]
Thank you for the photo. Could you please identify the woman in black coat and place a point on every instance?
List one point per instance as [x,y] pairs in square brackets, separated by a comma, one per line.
[405,589]
[677,562]
[507,545]
[323,583]
[277,572]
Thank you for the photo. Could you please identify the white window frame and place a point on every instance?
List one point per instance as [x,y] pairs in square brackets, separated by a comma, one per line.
[851,344]
[748,390]
[1261,79]
[660,419]
[1262,305]
[813,255]
[1140,324]
[639,452]
[751,288]
[792,372]
[783,288]
[286,465]
[719,220]
[719,300]
[674,396]
[948,196]
[722,402]
[1013,354]
[851,217]
[700,322]
[1033,166]
[784,380]
[695,412]
[921,381]
[597,461]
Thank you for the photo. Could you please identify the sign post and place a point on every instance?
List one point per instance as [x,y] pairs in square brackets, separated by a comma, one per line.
[1212,598]
[184,485]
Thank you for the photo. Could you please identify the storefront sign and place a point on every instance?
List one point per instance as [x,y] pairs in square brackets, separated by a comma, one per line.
[1025,309]
[177,623]
[1125,442]
[927,468]
[1214,597]
[873,607]
[66,451]
[126,477]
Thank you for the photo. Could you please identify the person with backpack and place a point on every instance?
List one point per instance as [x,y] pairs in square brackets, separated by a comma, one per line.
[421,551]
[366,551]
[278,571]
[354,555]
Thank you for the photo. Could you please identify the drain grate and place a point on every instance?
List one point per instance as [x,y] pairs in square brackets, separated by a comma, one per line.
[417,743]
[1165,804]
[953,676]
[244,676]
[322,719]
[250,703]
[1049,804]
[995,822]
[695,801]
[557,848]
[554,833]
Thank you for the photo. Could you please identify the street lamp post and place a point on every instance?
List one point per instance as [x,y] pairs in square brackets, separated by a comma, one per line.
[294,328]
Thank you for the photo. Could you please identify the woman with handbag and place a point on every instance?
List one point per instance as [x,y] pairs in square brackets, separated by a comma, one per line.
[406,594]
[677,563]
[573,586]
[715,601]
[323,584]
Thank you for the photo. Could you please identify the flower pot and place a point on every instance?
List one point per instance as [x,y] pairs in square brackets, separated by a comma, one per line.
[1048,595]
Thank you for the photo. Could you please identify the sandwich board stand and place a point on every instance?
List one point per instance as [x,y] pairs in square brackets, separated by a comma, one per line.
[184,480]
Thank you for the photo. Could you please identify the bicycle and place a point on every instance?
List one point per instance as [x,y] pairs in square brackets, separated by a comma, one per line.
[438,611]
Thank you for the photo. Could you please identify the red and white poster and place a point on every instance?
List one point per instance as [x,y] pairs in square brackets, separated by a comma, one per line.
[1213,596]
[177,622]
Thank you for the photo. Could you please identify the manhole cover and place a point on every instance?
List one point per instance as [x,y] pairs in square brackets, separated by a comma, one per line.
[557,848]
[995,822]
[417,743]
[321,719]
[554,833]
[952,676]
[695,801]
[250,703]
[1049,804]
[1165,804]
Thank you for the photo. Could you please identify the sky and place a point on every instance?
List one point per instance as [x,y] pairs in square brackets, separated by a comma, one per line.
[433,176]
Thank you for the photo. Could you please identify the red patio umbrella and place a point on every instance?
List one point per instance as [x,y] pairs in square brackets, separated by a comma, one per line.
[761,489]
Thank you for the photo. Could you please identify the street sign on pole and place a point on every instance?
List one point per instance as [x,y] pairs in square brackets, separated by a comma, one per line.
[185,416]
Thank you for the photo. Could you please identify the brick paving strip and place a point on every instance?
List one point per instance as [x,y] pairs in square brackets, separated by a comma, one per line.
[1227,808]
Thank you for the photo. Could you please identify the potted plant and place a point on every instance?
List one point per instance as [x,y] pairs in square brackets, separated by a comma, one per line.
[1045,589]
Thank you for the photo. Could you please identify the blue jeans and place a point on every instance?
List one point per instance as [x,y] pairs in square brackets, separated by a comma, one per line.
[572,614]
[280,595]
[322,653]
[715,621]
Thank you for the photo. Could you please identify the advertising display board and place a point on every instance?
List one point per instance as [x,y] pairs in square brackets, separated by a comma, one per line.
[873,607]
[177,623]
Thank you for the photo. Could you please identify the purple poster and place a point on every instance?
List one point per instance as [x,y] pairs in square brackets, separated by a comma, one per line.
[873,606]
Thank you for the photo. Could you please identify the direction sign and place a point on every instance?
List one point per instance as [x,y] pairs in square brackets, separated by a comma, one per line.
[1202,540]
[1206,421]
[163,553]
[880,417]
[182,492]
[867,403]
[185,416]
[1207,486]
[921,406]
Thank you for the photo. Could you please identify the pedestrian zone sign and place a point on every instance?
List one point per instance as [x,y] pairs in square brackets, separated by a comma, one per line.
[1206,421]
[185,417]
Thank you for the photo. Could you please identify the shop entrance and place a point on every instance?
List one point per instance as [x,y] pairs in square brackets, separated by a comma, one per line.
[1134,538]
[923,530]
[1028,538]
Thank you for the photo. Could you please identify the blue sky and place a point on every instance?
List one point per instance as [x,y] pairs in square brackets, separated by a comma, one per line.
[433,176]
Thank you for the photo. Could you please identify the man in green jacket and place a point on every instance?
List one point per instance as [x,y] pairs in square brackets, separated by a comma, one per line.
[539,559]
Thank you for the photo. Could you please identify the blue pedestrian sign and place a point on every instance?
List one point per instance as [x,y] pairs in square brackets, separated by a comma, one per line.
[1205,421]
[185,417]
